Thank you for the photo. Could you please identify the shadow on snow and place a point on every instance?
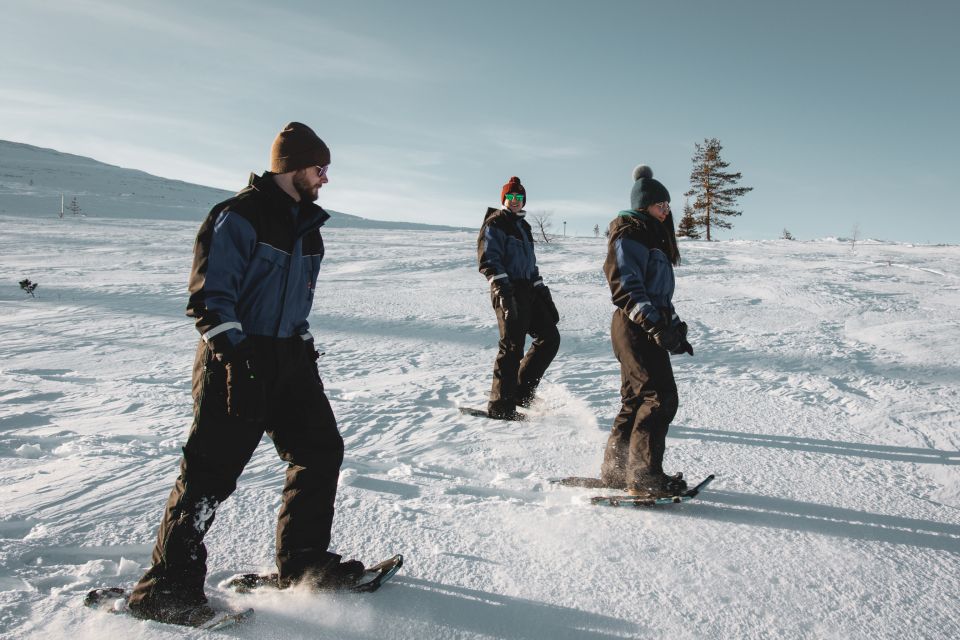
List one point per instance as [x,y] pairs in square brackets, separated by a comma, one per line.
[816,445]
[780,513]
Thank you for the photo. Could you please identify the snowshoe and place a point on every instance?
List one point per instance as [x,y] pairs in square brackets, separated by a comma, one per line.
[514,416]
[349,578]
[651,500]
[201,616]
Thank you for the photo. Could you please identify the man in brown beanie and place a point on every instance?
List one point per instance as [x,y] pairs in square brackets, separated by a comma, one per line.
[522,302]
[255,266]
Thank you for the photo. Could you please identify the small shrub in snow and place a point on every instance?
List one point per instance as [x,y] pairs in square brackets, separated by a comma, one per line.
[28,286]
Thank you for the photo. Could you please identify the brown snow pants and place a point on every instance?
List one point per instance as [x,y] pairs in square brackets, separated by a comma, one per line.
[649,402]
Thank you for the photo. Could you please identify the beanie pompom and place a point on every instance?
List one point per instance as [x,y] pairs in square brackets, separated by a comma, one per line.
[642,171]
[513,186]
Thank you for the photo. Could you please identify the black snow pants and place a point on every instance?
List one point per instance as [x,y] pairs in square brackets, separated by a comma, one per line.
[515,375]
[648,393]
[299,420]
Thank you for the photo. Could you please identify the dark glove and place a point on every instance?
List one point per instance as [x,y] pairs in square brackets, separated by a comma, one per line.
[245,392]
[504,300]
[544,294]
[668,337]
[684,345]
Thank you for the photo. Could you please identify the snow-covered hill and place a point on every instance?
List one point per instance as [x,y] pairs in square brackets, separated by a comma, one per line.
[825,395]
[33,180]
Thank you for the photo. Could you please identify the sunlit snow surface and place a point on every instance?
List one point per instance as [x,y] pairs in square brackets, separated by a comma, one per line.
[823,394]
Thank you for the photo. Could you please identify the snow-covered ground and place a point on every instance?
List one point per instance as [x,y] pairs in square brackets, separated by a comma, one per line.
[823,394]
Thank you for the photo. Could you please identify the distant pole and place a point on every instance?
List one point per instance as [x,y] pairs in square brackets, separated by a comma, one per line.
[564,228]
[61,205]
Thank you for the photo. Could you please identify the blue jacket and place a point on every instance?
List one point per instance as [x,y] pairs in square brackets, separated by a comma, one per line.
[255,264]
[638,268]
[505,249]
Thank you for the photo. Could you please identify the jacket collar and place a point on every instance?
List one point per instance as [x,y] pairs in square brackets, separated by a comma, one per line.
[311,216]
[512,215]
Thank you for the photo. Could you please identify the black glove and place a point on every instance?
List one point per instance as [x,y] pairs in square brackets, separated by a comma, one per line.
[245,392]
[544,294]
[669,337]
[503,299]
[684,345]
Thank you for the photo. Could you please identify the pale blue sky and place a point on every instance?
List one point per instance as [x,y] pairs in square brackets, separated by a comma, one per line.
[837,113]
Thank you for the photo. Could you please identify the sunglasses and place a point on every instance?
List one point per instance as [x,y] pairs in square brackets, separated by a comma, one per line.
[322,171]
[665,206]
[515,196]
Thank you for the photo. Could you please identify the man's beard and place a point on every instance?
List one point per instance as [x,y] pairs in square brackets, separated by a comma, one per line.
[302,185]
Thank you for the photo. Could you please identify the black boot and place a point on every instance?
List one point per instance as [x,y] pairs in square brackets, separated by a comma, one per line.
[503,410]
[675,482]
[335,575]
[645,476]
[172,608]
[657,486]
[526,398]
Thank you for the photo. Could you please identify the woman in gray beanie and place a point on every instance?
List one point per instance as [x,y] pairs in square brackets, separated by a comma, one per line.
[645,331]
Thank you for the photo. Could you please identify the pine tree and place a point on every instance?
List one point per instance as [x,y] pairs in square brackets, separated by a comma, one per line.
[688,223]
[74,206]
[713,188]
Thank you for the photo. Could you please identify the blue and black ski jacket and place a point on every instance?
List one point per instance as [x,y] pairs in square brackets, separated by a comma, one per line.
[255,264]
[638,268]
[505,249]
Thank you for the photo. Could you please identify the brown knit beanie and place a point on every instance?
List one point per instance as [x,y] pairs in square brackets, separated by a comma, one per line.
[513,186]
[297,147]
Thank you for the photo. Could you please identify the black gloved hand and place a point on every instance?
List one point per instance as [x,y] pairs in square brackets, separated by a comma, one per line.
[544,294]
[669,337]
[245,391]
[503,299]
[684,345]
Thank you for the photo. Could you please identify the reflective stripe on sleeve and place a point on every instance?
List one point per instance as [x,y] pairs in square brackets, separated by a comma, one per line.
[220,328]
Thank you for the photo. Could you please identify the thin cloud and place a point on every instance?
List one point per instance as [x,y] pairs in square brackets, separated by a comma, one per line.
[293,36]
[526,145]
[21,102]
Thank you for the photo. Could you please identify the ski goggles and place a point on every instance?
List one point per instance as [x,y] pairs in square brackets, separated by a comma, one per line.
[514,196]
